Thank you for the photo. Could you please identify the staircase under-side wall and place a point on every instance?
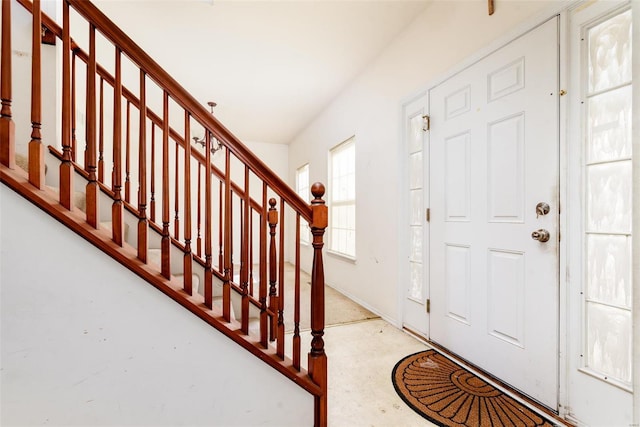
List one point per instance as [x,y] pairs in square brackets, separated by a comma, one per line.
[112,350]
[210,227]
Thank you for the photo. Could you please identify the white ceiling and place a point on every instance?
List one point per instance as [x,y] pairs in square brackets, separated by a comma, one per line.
[270,65]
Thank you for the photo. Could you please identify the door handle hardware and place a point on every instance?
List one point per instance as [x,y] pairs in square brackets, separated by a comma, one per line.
[542,208]
[541,235]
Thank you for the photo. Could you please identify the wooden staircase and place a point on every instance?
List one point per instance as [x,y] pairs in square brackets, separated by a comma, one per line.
[210,227]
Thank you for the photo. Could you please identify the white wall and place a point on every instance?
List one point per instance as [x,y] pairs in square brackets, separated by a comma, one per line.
[442,36]
[86,342]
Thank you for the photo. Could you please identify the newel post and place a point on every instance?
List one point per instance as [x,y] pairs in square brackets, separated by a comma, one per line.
[317,356]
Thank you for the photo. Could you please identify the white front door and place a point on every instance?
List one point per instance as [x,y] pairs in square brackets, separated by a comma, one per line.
[494,171]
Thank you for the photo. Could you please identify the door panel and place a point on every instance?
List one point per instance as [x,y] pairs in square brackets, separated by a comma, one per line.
[494,157]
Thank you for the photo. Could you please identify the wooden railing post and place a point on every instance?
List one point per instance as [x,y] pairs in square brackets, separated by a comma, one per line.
[317,356]
[188,255]
[208,249]
[165,242]
[36,149]
[66,168]
[244,252]
[7,126]
[262,293]
[273,296]
[93,190]
[143,223]
[116,209]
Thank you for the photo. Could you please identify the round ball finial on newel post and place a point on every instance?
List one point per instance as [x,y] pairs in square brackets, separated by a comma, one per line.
[317,356]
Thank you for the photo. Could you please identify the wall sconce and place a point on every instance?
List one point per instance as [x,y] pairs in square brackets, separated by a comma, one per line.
[215,144]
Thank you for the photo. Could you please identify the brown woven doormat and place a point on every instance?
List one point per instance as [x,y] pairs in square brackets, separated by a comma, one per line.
[449,395]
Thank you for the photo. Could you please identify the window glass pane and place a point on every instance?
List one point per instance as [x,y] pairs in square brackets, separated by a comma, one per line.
[415,287]
[609,341]
[609,269]
[416,244]
[610,125]
[415,133]
[342,221]
[610,53]
[609,197]
[415,170]
[415,204]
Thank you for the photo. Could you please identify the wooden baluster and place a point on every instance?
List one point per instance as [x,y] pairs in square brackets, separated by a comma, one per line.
[231,266]
[152,202]
[208,272]
[90,159]
[250,257]
[264,318]
[199,214]
[226,286]
[281,338]
[36,149]
[7,126]
[66,168]
[74,142]
[143,223]
[165,242]
[296,300]
[101,134]
[244,253]
[317,358]
[220,229]
[116,209]
[273,296]
[127,156]
[176,220]
[188,256]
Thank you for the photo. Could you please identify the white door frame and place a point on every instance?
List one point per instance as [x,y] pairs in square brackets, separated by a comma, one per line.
[564,279]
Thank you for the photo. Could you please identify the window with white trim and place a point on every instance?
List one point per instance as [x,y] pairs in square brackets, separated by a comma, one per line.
[342,203]
[302,188]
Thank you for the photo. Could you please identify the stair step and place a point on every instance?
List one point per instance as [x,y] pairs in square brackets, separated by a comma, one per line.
[108,225]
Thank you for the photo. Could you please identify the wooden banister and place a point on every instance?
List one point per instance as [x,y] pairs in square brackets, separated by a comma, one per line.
[185,100]
[243,219]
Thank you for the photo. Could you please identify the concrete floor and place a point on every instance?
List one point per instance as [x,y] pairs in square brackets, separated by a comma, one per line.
[361,357]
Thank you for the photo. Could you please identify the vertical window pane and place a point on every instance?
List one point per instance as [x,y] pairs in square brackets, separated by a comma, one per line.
[609,197]
[415,205]
[609,341]
[610,125]
[415,280]
[609,269]
[342,194]
[415,134]
[610,53]
[415,170]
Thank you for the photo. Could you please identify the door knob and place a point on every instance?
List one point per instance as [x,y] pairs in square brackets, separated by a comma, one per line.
[541,235]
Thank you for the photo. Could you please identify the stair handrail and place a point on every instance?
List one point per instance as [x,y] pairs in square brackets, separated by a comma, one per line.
[181,96]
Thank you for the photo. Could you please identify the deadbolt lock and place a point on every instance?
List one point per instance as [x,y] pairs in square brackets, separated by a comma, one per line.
[542,208]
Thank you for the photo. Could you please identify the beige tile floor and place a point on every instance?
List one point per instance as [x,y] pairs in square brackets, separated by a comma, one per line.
[361,357]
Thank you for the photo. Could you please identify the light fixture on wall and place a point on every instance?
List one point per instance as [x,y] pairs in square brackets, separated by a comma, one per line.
[215,143]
